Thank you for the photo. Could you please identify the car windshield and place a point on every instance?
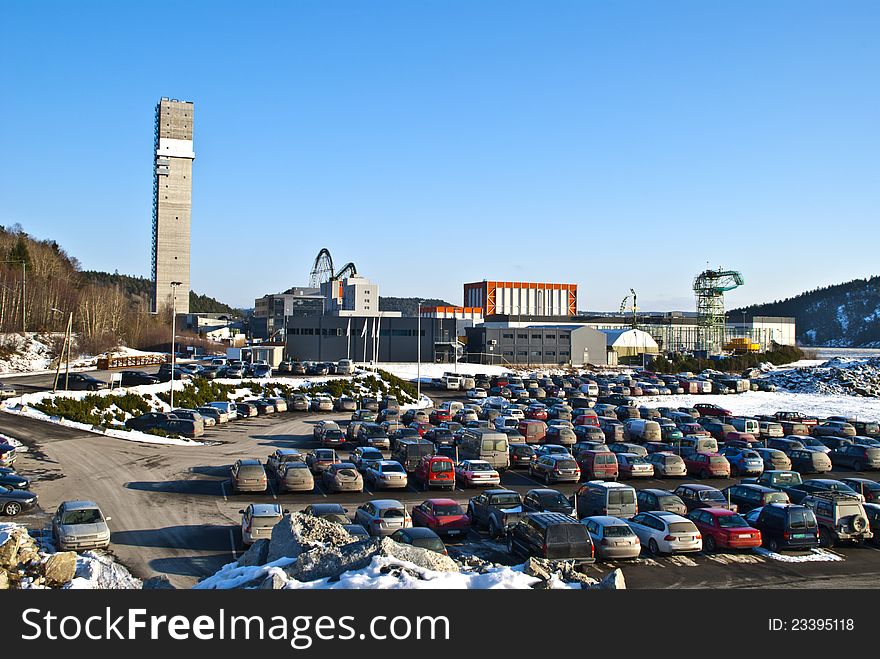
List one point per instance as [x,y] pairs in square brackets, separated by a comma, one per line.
[250,471]
[392,513]
[265,522]
[710,495]
[786,479]
[776,497]
[440,466]
[553,499]
[524,451]
[731,521]
[682,527]
[83,516]
[432,544]
[566,464]
[668,500]
[717,460]
[392,467]
[479,466]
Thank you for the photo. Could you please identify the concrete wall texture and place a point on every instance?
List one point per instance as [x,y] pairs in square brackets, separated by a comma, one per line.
[172,203]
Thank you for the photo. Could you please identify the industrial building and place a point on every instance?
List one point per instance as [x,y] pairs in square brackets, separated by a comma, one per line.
[172,203]
[521,298]
[271,310]
[331,338]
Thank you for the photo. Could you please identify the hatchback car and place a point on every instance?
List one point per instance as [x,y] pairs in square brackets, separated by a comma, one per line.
[386,475]
[443,516]
[702,496]
[652,499]
[342,477]
[248,476]
[332,512]
[547,500]
[321,459]
[365,457]
[556,468]
[382,517]
[258,520]
[552,536]
[612,537]
[666,533]
[421,537]
[667,465]
[14,502]
[630,465]
[79,525]
[743,461]
[707,465]
[476,473]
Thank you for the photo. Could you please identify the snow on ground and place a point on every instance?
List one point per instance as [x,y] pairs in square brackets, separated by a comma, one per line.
[384,572]
[814,556]
[753,403]
[409,371]
[96,571]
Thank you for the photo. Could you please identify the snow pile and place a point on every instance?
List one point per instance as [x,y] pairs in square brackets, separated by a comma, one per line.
[24,353]
[856,377]
[814,556]
[25,566]
[310,553]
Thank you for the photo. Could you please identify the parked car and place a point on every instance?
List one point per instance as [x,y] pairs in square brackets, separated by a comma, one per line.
[724,529]
[216,415]
[630,465]
[869,489]
[79,525]
[743,461]
[423,538]
[386,474]
[841,518]
[298,403]
[443,516]
[707,465]
[552,536]
[653,499]
[787,526]
[774,459]
[280,457]
[833,429]
[495,509]
[136,378]
[143,422]
[372,434]
[16,501]
[382,517]
[321,403]
[364,457]
[248,475]
[748,496]
[811,461]
[668,465]
[332,512]
[547,500]
[475,473]
[612,537]
[323,426]
[601,498]
[666,533]
[195,417]
[857,458]
[295,476]
[702,496]
[321,459]
[342,477]
[797,493]
[435,471]
[258,520]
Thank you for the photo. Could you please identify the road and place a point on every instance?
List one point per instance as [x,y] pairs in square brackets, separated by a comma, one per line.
[173,513]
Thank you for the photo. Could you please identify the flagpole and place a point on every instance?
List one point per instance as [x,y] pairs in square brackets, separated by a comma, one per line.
[366,321]
[348,340]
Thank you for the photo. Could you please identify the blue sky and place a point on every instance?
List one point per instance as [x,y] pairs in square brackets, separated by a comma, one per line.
[612,144]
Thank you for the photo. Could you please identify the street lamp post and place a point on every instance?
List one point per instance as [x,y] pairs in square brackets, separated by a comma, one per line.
[174,285]
[64,346]
[419,352]
[23,293]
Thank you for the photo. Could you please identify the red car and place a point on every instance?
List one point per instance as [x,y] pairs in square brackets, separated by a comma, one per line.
[587,420]
[443,516]
[536,413]
[435,471]
[724,529]
[707,465]
[438,416]
[710,409]
[422,428]
[694,429]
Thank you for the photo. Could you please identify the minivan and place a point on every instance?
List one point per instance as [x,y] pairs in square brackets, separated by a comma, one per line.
[228,408]
[484,444]
[642,430]
[746,425]
[787,526]
[698,444]
[409,451]
[533,431]
[553,536]
[601,498]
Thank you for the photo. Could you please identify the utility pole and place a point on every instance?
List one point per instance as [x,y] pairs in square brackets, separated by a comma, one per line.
[419,352]
[69,342]
[174,285]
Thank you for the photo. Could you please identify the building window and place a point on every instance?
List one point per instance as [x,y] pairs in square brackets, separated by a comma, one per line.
[522,353]
[563,338]
[522,336]
[550,353]
[536,353]
[536,337]
[507,336]
[508,353]
[563,353]
[549,337]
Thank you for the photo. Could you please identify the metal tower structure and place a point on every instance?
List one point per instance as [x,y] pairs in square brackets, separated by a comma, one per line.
[633,308]
[709,289]
[322,269]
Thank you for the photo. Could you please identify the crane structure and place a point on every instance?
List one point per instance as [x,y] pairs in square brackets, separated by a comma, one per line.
[633,308]
[709,289]
[323,271]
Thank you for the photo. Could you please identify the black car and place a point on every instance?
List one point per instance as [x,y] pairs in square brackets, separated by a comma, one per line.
[135,378]
[545,500]
[701,496]
[14,481]
[748,496]
[333,512]
[13,502]
[440,437]
[164,373]
[798,493]
[81,382]
[551,535]
[521,455]
[652,499]
[148,421]
[787,526]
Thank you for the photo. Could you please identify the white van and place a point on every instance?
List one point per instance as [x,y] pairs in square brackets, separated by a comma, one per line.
[746,425]
[642,430]
[231,409]
[699,444]
[345,367]
[451,382]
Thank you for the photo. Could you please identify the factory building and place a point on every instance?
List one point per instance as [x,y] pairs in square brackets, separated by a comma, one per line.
[521,298]
[271,310]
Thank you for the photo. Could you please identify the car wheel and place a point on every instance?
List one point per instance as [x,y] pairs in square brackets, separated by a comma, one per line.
[12,508]
[547,478]
[734,471]
[494,530]
[773,545]
[510,547]
[653,547]
[825,539]
[709,543]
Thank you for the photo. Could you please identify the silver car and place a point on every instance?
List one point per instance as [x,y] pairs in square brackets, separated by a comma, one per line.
[386,474]
[668,465]
[382,517]
[295,477]
[79,525]
[257,521]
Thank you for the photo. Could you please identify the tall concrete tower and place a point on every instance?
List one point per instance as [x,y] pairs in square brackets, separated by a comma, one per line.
[172,203]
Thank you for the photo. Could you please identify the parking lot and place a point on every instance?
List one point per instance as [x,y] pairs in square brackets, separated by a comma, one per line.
[174,513]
